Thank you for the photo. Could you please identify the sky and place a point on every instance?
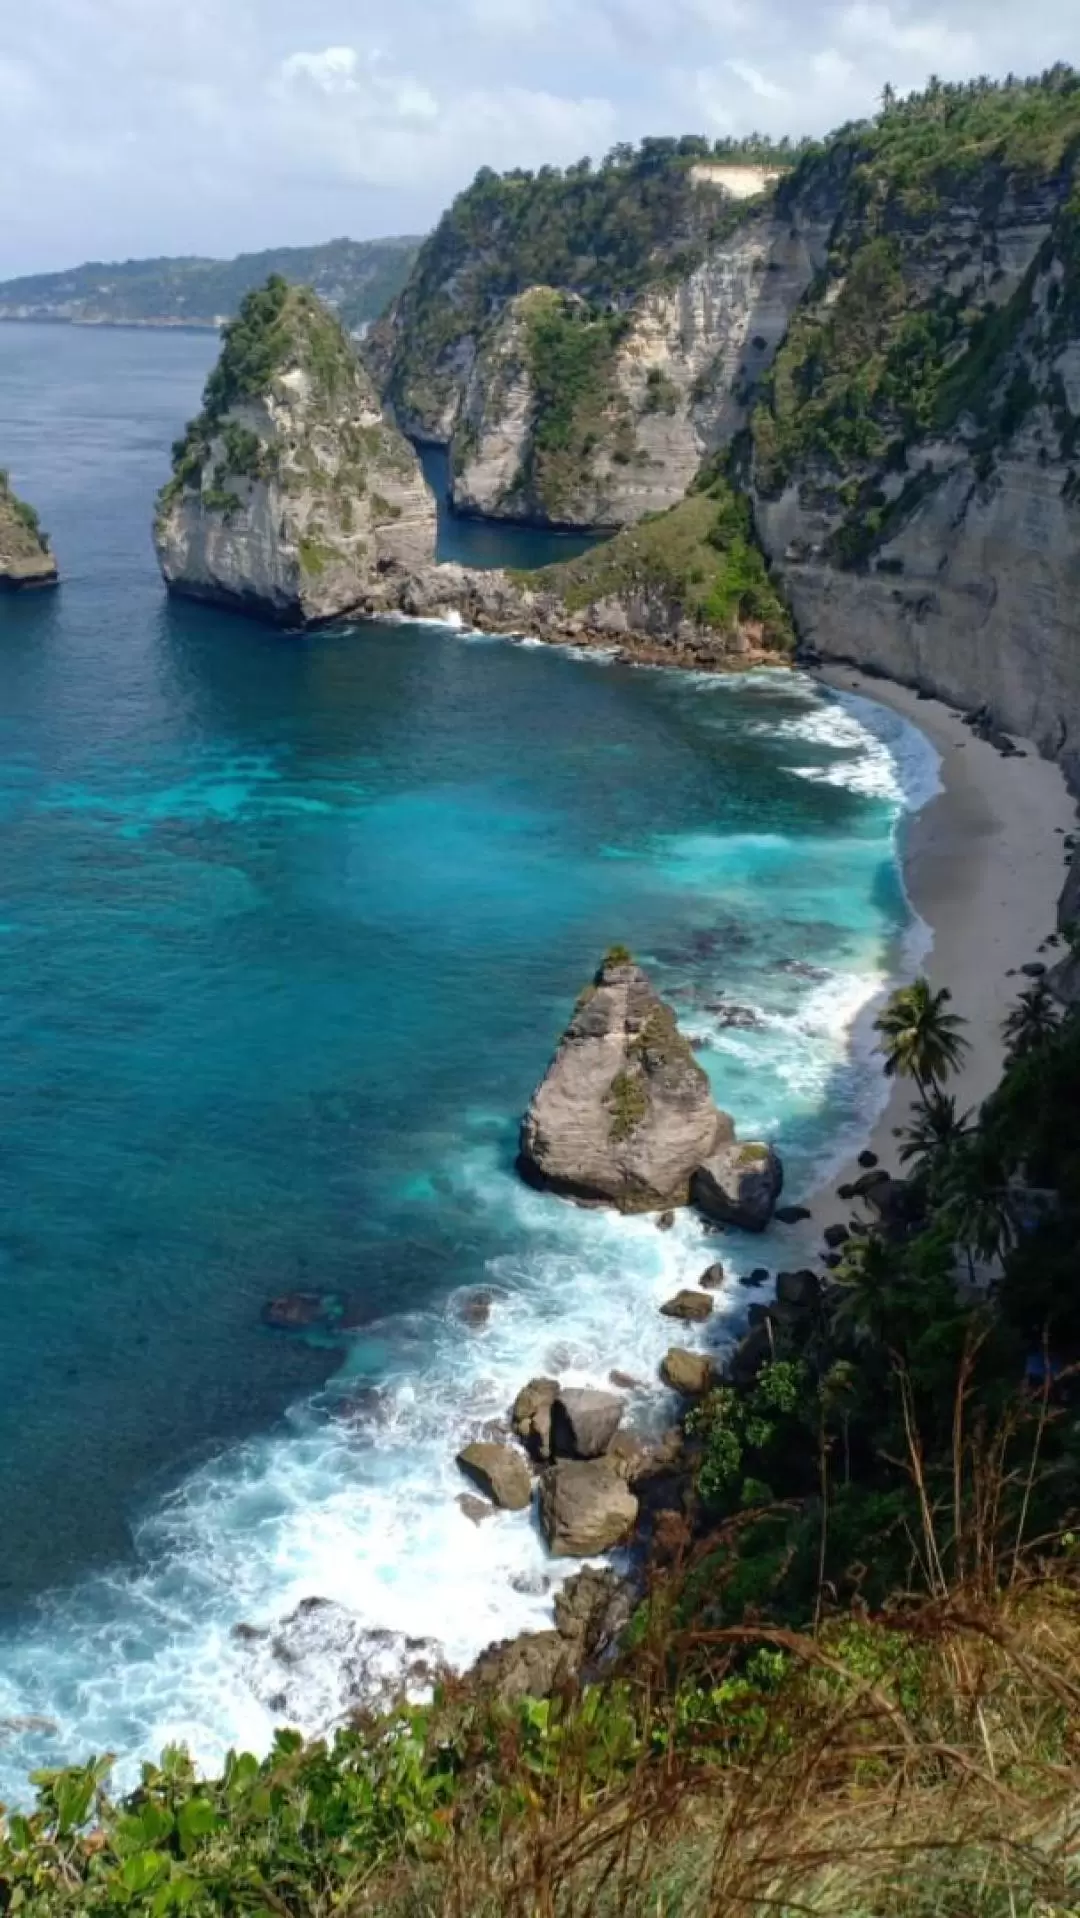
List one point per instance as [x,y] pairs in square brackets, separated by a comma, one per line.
[138,127]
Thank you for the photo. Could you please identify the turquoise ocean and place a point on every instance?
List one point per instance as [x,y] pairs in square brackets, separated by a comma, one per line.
[288,930]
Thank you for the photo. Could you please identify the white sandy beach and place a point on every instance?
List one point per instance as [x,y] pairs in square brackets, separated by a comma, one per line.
[984,864]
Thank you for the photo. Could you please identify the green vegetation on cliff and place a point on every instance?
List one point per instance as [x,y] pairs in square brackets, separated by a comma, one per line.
[357,278]
[601,233]
[700,558]
[278,326]
[25,556]
[915,328]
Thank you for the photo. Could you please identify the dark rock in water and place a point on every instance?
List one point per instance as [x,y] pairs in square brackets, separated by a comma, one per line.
[624,1112]
[760,1275]
[792,1214]
[323,1662]
[1033,970]
[474,1308]
[737,1018]
[476,1509]
[530,1415]
[299,1311]
[625,1381]
[665,1222]
[690,1373]
[868,1159]
[583,1423]
[712,1277]
[500,1472]
[836,1235]
[739,1184]
[694,1307]
[586,1507]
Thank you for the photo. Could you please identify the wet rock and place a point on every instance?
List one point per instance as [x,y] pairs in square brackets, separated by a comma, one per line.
[474,1308]
[792,1214]
[530,1416]
[836,1236]
[868,1159]
[500,1472]
[665,1222]
[299,1311]
[583,1423]
[693,1307]
[739,1185]
[322,1662]
[586,1507]
[639,1460]
[690,1373]
[475,1509]
[624,1112]
[625,1381]
[713,1277]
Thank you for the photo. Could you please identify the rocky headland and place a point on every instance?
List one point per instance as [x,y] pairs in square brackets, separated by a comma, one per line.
[26,559]
[625,1116]
[290,491]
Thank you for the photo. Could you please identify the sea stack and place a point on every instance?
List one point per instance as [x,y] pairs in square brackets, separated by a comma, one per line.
[624,1114]
[25,556]
[291,494]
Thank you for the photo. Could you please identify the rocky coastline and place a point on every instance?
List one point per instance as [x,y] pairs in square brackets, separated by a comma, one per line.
[27,562]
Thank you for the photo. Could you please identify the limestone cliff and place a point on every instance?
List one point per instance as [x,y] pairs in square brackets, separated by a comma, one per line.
[582,342]
[25,557]
[290,493]
[916,459]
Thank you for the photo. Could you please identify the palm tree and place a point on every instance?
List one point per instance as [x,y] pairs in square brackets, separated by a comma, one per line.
[1033,1020]
[978,1205]
[935,1131]
[921,1040]
[867,1274]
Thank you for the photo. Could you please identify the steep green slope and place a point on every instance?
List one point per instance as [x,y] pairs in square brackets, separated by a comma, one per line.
[358,278]
[601,233]
[25,556]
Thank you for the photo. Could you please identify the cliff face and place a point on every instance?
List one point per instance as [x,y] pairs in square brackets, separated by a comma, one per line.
[25,558]
[290,491]
[582,342]
[916,462]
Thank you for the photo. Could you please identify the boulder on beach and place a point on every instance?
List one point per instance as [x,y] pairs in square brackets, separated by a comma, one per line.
[836,1236]
[530,1416]
[584,1422]
[500,1472]
[792,1214]
[624,1112]
[690,1373]
[586,1507]
[739,1184]
[694,1307]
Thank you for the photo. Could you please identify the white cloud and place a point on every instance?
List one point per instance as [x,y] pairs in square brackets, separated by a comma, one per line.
[187,125]
[331,71]
[761,87]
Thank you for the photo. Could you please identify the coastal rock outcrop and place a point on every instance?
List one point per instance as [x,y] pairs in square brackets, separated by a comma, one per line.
[291,493]
[624,1113]
[585,1508]
[739,1184]
[591,1610]
[26,559]
[584,1422]
[500,1472]
[530,1416]
[689,1373]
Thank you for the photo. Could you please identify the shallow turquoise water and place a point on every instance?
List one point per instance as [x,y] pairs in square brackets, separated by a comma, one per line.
[288,928]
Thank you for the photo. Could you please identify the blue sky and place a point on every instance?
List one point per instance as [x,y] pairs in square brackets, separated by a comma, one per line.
[134,127]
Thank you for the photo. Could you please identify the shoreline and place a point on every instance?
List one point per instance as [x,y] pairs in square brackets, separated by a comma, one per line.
[983,866]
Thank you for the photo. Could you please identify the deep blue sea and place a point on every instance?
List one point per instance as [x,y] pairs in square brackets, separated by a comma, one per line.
[288,928]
